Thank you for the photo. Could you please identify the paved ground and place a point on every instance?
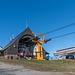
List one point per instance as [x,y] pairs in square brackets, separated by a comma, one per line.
[7,69]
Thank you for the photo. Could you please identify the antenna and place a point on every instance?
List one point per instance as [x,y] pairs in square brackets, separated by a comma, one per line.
[13,36]
[26,23]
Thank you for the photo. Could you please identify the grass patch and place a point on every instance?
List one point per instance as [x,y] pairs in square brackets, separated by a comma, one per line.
[47,65]
[2,57]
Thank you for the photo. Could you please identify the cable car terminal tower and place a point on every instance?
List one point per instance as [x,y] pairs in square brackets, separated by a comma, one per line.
[26,45]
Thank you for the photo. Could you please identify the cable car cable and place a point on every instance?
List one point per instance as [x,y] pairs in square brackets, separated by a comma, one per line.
[62,35]
[60,28]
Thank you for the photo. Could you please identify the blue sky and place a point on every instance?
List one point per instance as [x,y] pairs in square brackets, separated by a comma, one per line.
[42,16]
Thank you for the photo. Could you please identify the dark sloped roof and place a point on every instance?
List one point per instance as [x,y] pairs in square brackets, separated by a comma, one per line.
[12,41]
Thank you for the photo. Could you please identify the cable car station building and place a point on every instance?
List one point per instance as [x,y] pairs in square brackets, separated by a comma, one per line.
[68,52]
[23,46]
